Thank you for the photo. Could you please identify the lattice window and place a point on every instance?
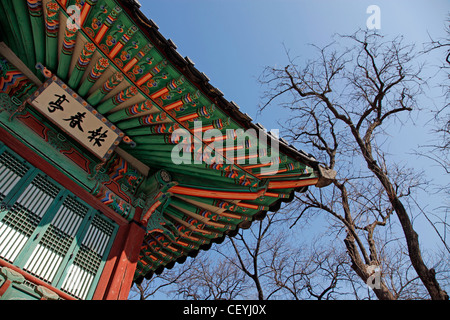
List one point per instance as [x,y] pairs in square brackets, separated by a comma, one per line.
[25,215]
[11,171]
[49,232]
[88,259]
[54,245]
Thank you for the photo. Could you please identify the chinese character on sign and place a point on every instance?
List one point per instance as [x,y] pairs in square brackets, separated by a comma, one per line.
[56,105]
[97,136]
[76,120]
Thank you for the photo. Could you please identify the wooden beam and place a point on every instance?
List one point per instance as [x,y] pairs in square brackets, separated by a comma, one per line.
[216,193]
[51,15]
[26,33]
[284,184]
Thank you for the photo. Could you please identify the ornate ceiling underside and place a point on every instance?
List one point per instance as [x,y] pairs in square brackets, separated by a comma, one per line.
[125,69]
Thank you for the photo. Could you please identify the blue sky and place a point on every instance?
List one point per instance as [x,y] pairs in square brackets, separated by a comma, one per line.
[232,40]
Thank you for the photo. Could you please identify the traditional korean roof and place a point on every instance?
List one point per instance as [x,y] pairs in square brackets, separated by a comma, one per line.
[121,65]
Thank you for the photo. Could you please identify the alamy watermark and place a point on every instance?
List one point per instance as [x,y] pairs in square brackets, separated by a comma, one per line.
[236,146]
[74,20]
[374,20]
[374,280]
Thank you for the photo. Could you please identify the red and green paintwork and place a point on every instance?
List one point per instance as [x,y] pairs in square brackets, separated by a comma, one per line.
[121,65]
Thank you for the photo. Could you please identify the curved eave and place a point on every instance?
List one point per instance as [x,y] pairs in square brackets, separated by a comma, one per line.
[144,273]
[201,80]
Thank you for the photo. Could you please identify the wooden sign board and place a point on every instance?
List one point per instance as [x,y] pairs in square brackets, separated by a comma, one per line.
[76,117]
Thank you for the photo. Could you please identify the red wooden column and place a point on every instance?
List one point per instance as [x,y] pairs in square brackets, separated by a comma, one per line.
[122,279]
[113,257]
[5,286]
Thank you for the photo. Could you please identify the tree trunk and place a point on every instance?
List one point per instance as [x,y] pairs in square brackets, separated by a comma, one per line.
[428,276]
[382,292]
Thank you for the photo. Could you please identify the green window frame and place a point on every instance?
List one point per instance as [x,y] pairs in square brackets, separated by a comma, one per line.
[48,231]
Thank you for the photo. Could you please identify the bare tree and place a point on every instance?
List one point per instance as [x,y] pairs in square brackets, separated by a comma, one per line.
[438,149]
[147,289]
[280,267]
[342,104]
[261,263]
[312,272]
[209,280]
[199,278]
